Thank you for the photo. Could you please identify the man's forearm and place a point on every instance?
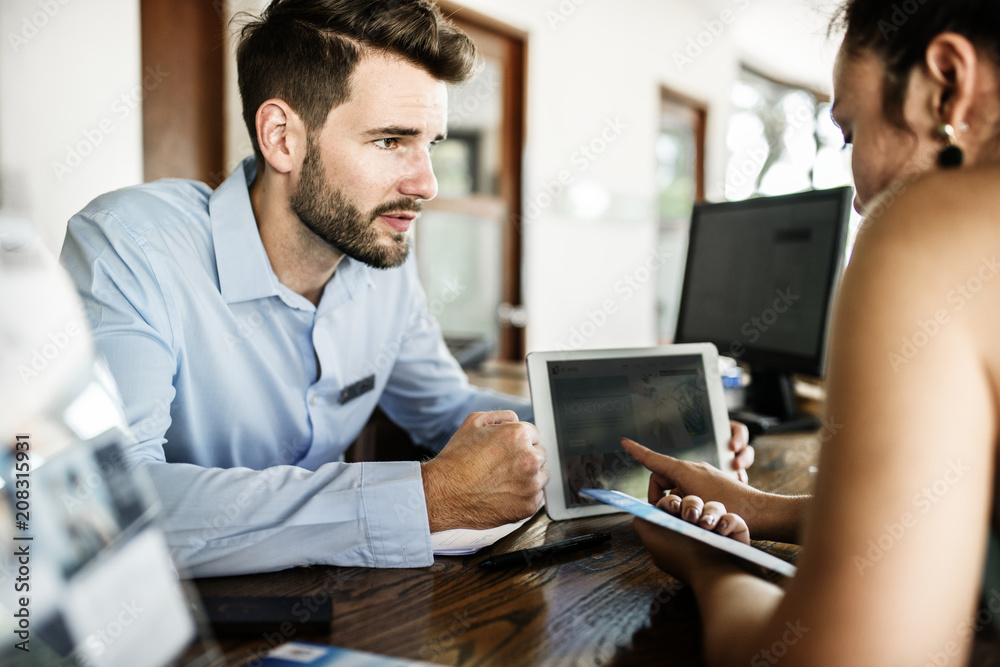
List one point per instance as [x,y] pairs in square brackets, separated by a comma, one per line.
[222,522]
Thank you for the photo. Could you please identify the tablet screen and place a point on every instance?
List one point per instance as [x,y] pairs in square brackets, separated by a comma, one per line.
[660,402]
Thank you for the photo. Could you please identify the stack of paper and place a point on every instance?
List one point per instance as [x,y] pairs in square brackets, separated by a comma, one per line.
[464,541]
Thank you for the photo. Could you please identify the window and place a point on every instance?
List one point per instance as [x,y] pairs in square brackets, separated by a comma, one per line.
[781,139]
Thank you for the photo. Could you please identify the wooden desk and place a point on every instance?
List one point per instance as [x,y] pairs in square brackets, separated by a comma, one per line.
[611,606]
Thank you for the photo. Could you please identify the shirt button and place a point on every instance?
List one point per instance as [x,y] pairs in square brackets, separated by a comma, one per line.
[314,400]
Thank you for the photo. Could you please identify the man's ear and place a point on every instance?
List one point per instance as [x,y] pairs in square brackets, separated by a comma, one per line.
[281,135]
[952,64]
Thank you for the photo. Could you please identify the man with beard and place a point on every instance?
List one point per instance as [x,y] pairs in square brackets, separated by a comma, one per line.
[254,329]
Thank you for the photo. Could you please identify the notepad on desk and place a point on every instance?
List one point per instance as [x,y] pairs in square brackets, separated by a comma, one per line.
[465,541]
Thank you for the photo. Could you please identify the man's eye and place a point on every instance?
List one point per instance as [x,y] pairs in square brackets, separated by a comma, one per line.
[387,143]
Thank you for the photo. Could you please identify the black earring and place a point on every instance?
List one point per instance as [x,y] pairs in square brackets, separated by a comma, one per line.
[951,156]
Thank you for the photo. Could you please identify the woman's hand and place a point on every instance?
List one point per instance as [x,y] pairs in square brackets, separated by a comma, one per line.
[687,478]
[710,516]
[768,515]
[678,554]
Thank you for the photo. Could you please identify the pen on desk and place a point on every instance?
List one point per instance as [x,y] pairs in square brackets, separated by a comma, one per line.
[525,556]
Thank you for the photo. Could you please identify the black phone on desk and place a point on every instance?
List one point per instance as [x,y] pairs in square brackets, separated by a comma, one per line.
[289,615]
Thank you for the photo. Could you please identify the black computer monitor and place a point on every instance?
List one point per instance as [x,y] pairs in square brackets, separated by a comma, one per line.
[759,284]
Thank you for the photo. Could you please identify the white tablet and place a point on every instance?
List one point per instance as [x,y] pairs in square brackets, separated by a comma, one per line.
[667,398]
[648,512]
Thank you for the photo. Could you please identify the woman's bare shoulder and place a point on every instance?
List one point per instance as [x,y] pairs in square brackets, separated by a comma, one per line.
[945,212]
[933,250]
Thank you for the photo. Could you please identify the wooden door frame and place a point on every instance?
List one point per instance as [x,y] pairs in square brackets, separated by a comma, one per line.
[700,110]
[183,116]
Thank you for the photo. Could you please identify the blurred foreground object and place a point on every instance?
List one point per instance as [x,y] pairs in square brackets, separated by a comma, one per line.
[86,577]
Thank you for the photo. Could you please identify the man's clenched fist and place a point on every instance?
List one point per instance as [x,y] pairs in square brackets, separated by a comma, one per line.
[491,472]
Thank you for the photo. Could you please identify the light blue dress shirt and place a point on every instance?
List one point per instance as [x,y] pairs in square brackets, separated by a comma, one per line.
[241,433]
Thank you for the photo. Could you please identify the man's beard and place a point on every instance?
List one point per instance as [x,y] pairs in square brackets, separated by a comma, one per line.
[329,215]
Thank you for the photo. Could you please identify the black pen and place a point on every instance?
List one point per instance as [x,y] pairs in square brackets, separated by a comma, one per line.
[526,556]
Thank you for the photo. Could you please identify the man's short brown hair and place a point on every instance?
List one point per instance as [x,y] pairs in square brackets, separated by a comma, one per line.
[304,51]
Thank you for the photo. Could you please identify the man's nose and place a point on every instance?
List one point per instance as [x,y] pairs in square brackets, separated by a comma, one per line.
[420,182]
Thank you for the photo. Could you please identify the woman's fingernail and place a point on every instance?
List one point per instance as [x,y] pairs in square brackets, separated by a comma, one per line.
[691,514]
[675,505]
[709,519]
[723,524]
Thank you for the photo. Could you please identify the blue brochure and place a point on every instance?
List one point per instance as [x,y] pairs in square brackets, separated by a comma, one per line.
[659,517]
[302,654]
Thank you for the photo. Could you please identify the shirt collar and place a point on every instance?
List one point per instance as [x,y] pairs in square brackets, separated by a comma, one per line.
[245,271]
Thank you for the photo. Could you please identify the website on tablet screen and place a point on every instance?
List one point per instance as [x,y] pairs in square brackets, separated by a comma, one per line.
[661,403]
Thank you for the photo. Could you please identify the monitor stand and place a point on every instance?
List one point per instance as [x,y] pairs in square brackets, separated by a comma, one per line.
[771,405]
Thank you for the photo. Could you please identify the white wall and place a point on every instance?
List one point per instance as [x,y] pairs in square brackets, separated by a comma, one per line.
[71,115]
[588,249]
[595,71]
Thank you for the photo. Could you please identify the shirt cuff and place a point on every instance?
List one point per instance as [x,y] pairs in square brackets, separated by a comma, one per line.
[392,495]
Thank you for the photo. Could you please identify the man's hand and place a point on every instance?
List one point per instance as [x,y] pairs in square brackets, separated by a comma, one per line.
[491,472]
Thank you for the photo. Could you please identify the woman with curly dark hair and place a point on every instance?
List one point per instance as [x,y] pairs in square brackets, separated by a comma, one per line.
[895,540]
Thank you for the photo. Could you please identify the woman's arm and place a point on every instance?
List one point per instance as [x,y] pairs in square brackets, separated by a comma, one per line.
[895,538]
